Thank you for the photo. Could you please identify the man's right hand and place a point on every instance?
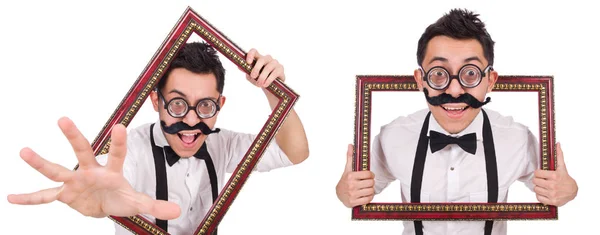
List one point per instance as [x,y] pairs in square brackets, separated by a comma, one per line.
[355,187]
[92,189]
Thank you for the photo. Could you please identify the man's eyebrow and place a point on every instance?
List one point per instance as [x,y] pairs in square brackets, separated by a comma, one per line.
[473,58]
[438,58]
[184,96]
[178,92]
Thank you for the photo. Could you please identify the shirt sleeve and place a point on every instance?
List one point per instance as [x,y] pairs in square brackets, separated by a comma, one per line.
[272,158]
[378,166]
[531,161]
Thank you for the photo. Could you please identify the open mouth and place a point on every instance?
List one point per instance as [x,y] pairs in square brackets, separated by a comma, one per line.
[455,111]
[188,138]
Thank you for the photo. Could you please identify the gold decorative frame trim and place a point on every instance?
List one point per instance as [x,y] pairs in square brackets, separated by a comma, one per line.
[366,84]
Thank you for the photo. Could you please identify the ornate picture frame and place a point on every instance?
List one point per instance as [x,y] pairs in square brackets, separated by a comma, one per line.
[367,84]
[191,22]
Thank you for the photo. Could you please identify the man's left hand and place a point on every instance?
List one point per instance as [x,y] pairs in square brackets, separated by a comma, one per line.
[555,187]
[265,70]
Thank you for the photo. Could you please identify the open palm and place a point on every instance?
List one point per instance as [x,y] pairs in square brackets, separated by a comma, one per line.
[92,189]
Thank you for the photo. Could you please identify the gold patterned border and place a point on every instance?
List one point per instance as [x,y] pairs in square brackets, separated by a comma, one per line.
[456,207]
[151,228]
[207,35]
[381,211]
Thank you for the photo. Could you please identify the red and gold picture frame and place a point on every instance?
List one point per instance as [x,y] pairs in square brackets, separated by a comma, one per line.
[190,23]
[367,85]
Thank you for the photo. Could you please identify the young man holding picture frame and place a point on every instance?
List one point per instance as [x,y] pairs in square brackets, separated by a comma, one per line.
[455,151]
[171,170]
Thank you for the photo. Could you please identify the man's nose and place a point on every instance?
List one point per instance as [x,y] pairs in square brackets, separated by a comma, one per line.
[191,118]
[455,89]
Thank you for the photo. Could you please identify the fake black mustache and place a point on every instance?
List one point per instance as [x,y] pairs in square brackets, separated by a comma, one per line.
[182,126]
[445,98]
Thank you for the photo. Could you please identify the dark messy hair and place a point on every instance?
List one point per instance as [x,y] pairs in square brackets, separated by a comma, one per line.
[458,24]
[197,57]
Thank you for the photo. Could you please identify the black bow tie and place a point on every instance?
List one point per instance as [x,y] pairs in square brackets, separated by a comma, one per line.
[438,141]
[172,157]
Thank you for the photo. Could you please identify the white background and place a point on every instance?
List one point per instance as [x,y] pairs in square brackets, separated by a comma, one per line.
[75,59]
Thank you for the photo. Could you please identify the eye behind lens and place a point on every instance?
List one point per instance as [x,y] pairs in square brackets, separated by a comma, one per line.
[438,78]
[470,76]
[206,108]
[177,107]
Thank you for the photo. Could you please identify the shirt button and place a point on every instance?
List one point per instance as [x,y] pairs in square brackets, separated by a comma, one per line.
[451,168]
[188,175]
[191,208]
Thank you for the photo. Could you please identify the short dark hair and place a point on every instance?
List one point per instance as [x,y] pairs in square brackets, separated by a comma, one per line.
[458,24]
[197,57]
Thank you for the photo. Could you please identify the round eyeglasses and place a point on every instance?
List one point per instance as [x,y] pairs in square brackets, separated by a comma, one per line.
[469,76]
[178,107]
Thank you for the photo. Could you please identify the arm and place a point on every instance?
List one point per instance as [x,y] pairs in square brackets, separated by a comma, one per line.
[531,161]
[291,136]
[379,164]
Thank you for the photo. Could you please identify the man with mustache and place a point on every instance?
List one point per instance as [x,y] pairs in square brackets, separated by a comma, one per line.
[171,170]
[455,151]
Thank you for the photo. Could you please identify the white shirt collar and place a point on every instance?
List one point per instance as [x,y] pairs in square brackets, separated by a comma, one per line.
[476,127]
[159,136]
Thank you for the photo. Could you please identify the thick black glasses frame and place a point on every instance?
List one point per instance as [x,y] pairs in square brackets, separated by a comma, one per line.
[166,106]
[451,77]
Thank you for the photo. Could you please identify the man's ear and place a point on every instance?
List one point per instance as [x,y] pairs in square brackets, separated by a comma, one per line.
[418,75]
[222,101]
[154,99]
[493,78]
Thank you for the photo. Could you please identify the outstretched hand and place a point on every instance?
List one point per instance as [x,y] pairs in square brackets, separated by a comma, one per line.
[92,189]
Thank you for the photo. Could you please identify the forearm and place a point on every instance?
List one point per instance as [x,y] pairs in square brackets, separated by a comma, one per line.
[291,136]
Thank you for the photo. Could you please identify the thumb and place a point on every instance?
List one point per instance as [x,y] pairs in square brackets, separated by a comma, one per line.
[165,210]
[160,209]
[349,157]
[560,160]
